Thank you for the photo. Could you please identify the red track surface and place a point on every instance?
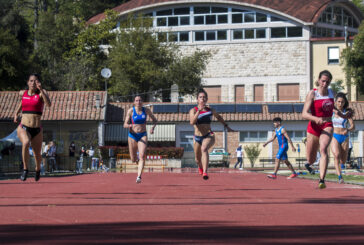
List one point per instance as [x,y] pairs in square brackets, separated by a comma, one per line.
[179,208]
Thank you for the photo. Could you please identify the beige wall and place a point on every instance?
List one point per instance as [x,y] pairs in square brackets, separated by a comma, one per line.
[320,62]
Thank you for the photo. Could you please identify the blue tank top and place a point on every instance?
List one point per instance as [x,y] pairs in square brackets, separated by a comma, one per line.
[282,141]
[139,119]
[205,117]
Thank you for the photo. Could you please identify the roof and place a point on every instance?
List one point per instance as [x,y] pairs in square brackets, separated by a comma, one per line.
[66,105]
[265,115]
[307,11]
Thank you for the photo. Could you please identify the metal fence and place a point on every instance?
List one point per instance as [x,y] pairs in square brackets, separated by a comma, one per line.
[13,164]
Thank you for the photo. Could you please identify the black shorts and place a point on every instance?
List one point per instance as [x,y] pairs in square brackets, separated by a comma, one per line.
[32,131]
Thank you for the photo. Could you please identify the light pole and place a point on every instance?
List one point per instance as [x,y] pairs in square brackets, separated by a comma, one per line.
[106,73]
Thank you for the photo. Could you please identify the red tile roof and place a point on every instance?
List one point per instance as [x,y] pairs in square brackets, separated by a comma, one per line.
[234,117]
[304,10]
[66,105]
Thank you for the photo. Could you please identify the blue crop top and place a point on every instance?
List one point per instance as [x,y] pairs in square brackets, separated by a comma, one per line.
[139,119]
[205,117]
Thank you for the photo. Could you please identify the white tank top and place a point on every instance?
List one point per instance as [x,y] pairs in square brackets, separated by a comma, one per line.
[339,122]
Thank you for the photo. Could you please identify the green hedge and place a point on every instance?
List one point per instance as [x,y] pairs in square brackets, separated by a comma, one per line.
[171,152]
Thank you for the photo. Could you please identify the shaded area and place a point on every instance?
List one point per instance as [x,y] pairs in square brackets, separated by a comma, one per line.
[179,233]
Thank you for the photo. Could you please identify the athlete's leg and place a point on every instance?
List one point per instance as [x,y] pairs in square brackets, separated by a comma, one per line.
[207,143]
[325,139]
[37,148]
[345,151]
[133,149]
[24,137]
[198,153]
[336,151]
[312,146]
[289,165]
[142,147]
[276,166]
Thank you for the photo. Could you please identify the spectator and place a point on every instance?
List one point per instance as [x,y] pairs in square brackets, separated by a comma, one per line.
[72,149]
[239,156]
[80,161]
[52,156]
[91,153]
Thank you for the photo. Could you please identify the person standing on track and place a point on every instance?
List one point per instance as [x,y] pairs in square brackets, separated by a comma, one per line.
[340,142]
[318,109]
[136,122]
[30,129]
[283,139]
[204,138]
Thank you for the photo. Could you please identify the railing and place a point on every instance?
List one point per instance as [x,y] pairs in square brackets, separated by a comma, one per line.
[13,164]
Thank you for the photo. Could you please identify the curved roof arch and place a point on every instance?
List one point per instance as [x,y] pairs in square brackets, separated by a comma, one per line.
[303,11]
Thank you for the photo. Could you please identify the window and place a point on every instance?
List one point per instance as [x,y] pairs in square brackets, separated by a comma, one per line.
[187,140]
[239,94]
[258,93]
[333,54]
[210,35]
[296,136]
[248,34]
[294,32]
[278,32]
[275,19]
[253,136]
[184,37]
[283,32]
[214,93]
[260,33]
[288,92]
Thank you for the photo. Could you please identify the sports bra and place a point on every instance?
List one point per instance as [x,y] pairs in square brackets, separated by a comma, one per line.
[139,119]
[204,117]
[32,104]
[339,122]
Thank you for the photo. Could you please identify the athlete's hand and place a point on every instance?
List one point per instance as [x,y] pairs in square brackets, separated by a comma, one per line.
[293,149]
[152,130]
[38,85]
[319,121]
[15,118]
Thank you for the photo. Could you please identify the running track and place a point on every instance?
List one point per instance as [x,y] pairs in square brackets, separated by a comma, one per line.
[177,208]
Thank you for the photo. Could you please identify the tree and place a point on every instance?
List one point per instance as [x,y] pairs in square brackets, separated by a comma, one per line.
[144,63]
[252,151]
[353,59]
[337,86]
[359,4]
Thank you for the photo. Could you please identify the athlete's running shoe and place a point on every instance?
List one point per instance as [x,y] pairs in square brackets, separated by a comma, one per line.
[139,180]
[200,171]
[292,176]
[205,176]
[309,169]
[322,184]
[37,175]
[24,175]
[272,176]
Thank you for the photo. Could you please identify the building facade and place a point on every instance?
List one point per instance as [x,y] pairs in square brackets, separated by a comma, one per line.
[261,50]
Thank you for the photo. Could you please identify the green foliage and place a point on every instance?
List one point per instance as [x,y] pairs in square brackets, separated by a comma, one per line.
[353,59]
[252,152]
[337,86]
[141,63]
[359,4]
[12,75]
[170,152]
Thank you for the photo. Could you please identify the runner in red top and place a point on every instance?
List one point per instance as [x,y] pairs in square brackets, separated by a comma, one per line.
[30,129]
[318,109]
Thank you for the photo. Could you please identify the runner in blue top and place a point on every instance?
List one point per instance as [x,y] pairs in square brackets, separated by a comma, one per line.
[136,122]
[283,139]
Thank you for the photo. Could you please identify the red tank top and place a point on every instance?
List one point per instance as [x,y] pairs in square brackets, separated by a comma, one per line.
[32,104]
[323,106]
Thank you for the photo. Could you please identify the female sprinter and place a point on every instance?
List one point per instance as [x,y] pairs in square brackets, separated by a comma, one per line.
[204,138]
[340,142]
[30,129]
[318,109]
[136,122]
